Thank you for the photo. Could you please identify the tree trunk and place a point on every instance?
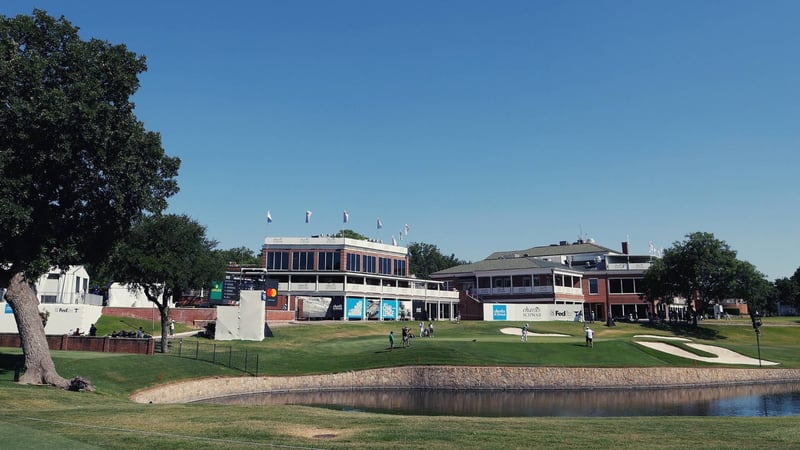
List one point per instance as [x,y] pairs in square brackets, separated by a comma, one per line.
[39,367]
[164,310]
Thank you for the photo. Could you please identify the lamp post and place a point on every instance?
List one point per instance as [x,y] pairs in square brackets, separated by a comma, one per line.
[756,318]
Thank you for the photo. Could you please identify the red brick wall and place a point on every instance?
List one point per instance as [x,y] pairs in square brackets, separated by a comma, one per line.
[88,343]
[189,316]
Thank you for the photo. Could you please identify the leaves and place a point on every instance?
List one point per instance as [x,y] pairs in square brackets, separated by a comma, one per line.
[705,270]
[77,167]
[425,259]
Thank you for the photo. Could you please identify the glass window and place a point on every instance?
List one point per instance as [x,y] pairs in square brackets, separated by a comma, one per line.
[369,264]
[277,260]
[594,288]
[329,261]
[622,286]
[353,263]
[385,266]
[303,261]
[400,267]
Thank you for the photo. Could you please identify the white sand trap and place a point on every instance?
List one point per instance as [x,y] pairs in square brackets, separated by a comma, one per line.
[666,338]
[724,356]
[518,332]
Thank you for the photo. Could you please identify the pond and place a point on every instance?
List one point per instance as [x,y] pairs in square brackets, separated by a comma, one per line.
[745,401]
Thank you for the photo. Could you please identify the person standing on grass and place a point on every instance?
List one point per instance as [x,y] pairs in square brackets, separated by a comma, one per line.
[391,340]
[524,337]
[172,327]
[589,337]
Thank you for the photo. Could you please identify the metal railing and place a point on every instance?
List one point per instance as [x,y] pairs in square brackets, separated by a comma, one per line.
[244,360]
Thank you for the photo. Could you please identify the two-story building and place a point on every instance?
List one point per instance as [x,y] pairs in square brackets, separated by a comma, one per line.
[351,279]
[593,280]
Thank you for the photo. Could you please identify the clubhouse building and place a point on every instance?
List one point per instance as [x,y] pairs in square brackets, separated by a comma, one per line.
[565,281]
[325,277]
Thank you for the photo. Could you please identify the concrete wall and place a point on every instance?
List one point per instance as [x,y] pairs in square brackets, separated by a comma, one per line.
[63,318]
[478,378]
[244,321]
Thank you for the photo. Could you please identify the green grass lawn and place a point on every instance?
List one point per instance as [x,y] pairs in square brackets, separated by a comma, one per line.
[40,417]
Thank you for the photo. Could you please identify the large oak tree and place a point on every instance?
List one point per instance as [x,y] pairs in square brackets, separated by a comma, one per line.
[76,166]
[165,255]
[705,271]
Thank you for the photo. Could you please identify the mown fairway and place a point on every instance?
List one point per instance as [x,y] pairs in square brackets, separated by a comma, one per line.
[36,417]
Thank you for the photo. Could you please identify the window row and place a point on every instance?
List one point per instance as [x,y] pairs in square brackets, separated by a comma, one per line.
[331,261]
[616,286]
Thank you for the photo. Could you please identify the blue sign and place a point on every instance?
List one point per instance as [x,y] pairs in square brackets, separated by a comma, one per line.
[354,308]
[499,312]
[389,309]
[8,309]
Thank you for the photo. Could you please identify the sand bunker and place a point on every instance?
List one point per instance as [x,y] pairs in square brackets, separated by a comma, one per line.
[723,355]
[518,332]
[666,338]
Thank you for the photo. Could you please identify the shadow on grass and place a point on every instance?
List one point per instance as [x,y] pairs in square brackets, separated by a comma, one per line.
[685,330]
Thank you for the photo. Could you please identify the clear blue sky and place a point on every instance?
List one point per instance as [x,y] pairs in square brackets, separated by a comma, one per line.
[484,126]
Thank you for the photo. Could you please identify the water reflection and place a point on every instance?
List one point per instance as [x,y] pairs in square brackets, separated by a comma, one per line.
[753,400]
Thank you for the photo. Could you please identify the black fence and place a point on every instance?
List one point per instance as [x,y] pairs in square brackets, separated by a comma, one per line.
[224,355]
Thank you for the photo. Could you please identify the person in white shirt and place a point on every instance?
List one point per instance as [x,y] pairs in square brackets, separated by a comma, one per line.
[589,337]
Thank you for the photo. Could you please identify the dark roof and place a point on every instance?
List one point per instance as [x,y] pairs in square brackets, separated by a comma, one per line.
[501,264]
[554,250]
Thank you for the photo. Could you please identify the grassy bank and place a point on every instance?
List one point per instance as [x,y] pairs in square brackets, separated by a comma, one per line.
[37,417]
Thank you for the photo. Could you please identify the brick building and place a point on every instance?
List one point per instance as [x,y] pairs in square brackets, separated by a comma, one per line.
[325,277]
[603,281]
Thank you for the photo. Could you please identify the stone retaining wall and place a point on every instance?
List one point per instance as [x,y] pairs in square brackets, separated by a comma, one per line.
[474,378]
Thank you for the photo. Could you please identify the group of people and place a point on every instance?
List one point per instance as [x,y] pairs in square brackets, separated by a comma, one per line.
[407,335]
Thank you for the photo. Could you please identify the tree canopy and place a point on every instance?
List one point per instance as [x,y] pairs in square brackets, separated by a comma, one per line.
[241,256]
[77,167]
[425,259]
[163,256]
[350,234]
[706,271]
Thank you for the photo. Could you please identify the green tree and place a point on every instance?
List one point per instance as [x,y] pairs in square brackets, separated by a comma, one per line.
[76,166]
[242,256]
[425,259]
[165,255]
[350,234]
[753,287]
[787,290]
[701,269]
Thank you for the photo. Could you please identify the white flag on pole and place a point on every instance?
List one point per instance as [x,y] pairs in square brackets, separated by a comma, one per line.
[269,217]
[345,217]
[308,216]
[394,241]
[406,228]
[380,224]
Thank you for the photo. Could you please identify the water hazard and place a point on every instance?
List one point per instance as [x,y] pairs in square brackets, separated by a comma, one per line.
[743,401]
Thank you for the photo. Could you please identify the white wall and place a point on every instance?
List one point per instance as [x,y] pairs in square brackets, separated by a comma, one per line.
[63,319]
[120,295]
[530,312]
[244,321]
[70,286]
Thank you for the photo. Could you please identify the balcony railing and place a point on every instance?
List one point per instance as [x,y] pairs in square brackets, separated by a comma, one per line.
[367,290]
